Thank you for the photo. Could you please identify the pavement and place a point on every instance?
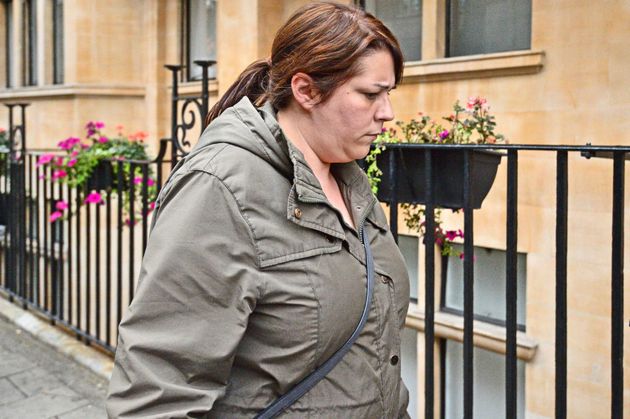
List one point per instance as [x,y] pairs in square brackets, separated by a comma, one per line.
[43,375]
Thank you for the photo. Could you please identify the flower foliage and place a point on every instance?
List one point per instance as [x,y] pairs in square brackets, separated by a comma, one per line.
[472,124]
[78,160]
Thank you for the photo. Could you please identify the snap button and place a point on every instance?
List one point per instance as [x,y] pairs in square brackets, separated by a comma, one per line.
[393,360]
[298,213]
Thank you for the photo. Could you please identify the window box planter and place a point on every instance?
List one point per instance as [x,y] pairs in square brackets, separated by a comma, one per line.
[405,181]
[102,177]
[4,208]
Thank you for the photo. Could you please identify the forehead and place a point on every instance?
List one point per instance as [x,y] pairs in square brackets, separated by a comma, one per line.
[376,67]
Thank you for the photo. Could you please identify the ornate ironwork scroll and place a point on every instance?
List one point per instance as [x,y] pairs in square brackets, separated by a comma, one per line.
[185,109]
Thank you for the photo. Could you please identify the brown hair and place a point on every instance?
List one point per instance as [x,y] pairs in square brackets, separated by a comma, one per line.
[323,40]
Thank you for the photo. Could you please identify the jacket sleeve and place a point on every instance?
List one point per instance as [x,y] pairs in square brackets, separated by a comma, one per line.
[197,288]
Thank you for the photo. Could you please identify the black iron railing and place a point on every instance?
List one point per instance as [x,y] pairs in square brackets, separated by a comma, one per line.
[619,155]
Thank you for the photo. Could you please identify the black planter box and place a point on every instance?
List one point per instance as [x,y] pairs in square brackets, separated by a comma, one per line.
[102,177]
[4,208]
[407,185]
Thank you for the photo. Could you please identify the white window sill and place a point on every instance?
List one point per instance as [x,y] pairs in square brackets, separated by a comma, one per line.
[485,335]
[474,66]
[42,92]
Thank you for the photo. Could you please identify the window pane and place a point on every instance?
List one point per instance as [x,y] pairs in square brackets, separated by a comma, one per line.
[488,382]
[409,248]
[404,19]
[30,14]
[58,70]
[9,49]
[202,35]
[486,26]
[489,288]
[409,367]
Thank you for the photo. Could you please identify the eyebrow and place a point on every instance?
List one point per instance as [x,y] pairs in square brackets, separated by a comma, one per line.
[385,86]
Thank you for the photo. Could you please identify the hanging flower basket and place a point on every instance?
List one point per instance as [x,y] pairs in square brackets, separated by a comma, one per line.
[407,185]
[4,208]
[102,177]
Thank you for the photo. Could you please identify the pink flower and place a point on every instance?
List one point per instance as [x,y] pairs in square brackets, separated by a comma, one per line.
[68,143]
[93,198]
[2,130]
[138,136]
[444,134]
[71,162]
[152,206]
[55,216]
[99,125]
[74,153]
[137,180]
[475,101]
[58,174]
[452,234]
[61,205]
[103,140]
[150,182]
[45,159]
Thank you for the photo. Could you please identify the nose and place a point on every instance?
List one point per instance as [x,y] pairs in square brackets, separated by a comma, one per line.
[385,112]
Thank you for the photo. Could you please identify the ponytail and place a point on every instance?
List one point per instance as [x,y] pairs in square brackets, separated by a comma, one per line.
[253,82]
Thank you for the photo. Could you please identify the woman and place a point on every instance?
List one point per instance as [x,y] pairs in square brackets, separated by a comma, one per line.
[255,270]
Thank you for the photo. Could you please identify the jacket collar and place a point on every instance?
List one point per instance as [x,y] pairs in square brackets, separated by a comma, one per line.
[307,204]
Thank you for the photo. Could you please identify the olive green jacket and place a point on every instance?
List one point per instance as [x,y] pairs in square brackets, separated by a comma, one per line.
[251,280]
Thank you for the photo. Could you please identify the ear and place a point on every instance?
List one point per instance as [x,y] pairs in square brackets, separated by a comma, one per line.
[304,90]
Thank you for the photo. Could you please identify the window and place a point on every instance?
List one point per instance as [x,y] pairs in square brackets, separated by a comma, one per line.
[409,367]
[409,248]
[29,42]
[57,57]
[489,286]
[404,19]
[199,23]
[8,38]
[489,306]
[487,26]
[488,382]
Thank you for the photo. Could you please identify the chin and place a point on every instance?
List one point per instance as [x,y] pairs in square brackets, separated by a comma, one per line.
[361,152]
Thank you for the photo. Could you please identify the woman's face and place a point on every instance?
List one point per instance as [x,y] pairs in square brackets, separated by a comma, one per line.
[353,115]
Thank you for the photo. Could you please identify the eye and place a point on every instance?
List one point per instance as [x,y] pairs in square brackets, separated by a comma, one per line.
[371,95]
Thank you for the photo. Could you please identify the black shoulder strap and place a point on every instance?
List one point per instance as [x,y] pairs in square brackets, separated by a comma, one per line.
[309,382]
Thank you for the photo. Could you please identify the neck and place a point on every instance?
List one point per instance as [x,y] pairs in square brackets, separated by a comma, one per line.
[296,126]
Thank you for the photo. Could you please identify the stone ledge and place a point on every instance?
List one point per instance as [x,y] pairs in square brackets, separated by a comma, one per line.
[96,361]
[193,88]
[486,336]
[474,66]
[99,90]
